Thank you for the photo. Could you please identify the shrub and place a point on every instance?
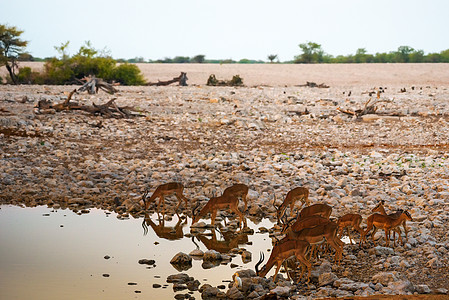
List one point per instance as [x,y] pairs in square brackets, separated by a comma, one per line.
[127,74]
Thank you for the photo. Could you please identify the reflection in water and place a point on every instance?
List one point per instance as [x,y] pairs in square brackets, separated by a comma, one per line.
[230,240]
[67,260]
[163,231]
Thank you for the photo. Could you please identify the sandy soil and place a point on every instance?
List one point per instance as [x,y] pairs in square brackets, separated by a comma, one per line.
[337,75]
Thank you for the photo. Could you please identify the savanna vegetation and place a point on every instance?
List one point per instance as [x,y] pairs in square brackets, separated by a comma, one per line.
[88,61]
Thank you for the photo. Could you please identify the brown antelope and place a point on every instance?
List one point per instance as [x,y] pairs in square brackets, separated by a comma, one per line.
[307,222]
[348,221]
[171,188]
[386,223]
[320,209]
[299,193]
[318,234]
[215,203]
[238,190]
[380,209]
[162,231]
[283,251]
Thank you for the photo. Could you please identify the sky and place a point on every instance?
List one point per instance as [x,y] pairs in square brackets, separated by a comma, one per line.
[230,29]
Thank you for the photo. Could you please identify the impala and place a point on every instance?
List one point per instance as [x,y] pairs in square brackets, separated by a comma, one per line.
[307,222]
[386,223]
[171,188]
[299,193]
[380,209]
[318,234]
[348,221]
[283,251]
[162,231]
[320,209]
[230,202]
[238,190]
[230,240]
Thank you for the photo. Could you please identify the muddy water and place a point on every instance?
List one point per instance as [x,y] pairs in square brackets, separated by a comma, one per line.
[57,254]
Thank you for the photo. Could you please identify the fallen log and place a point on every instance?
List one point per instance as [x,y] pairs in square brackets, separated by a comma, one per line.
[313,85]
[109,109]
[93,84]
[181,79]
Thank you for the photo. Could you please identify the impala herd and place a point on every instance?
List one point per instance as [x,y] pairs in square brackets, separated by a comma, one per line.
[311,228]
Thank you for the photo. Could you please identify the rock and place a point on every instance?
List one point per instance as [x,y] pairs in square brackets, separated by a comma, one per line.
[422,289]
[193,285]
[211,293]
[326,279]
[234,293]
[196,253]
[384,278]
[145,261]
[181,261]
[246,256]
[282,291]
[379,251]
[441,291]
[179,278]
[212,255]
[401,287]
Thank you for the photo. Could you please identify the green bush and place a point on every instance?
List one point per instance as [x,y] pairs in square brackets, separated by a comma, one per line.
[69,70]
[127,74]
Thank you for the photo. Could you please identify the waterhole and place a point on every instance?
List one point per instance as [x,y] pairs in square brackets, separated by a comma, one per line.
[57,254]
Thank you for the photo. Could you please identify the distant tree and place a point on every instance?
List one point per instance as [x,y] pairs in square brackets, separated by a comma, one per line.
[136,60]
[403,54]
[199,59]
[181,59]
[272,57]
[311,53]
[11,47]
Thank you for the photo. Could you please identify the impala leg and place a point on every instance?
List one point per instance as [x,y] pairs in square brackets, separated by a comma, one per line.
[278,266]
[245,201]
[349,234]
[405,230]
[213,216]
[387,237]
[306,263]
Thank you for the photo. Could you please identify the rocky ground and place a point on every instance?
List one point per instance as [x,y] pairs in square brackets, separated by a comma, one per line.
[211,137]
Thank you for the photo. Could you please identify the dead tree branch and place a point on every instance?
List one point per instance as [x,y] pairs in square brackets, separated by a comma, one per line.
[181,79]
[109,109]
[93,84]
[313,85]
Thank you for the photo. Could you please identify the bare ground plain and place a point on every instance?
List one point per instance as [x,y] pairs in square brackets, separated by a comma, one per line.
[209,137]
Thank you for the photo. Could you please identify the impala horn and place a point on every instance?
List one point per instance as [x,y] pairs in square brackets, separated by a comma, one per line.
[259,262]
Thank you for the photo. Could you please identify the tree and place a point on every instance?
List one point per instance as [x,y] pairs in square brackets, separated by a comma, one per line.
[272,57]
[11,47]
[311,53]
[403,54]
[199,59]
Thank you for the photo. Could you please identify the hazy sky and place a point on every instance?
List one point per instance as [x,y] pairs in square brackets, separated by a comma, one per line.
[233,29]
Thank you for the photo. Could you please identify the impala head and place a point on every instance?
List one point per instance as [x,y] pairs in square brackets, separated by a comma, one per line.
[286,224]
[259,263]
[408,216]
[196,217]
[378,206]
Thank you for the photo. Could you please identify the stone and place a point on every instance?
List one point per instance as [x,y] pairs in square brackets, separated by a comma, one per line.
[326,279]
[422,289]
[234,293]
[212,255]
[179,278]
